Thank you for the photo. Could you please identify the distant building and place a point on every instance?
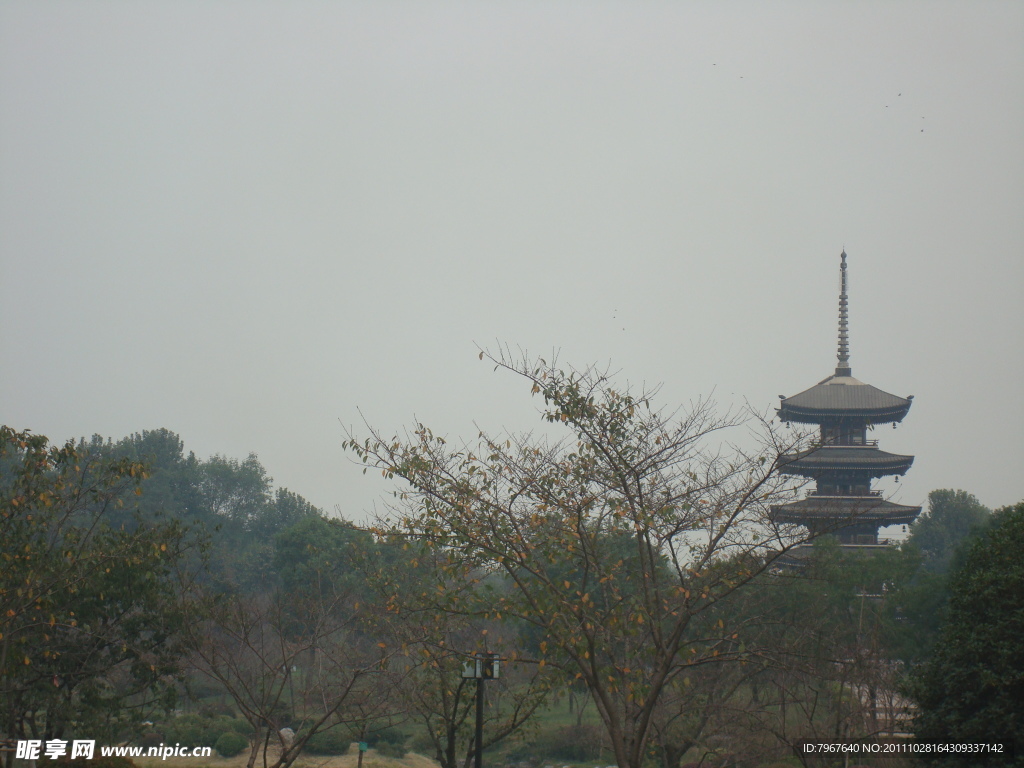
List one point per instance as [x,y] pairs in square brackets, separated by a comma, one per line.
[843,462]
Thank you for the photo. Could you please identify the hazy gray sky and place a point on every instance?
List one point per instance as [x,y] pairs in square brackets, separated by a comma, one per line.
[243,221]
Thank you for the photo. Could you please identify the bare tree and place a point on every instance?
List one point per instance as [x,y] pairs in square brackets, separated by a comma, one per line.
[289,659]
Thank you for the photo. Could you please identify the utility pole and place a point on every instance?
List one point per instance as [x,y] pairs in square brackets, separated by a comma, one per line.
[482,666]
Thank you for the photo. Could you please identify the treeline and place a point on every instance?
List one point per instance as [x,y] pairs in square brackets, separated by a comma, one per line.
[138,579]
[233,501]
[619,570]
[97,539]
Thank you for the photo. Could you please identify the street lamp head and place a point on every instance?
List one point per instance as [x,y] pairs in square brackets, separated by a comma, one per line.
[482,666]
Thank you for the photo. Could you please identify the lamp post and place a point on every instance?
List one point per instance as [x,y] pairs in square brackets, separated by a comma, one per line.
[482,666]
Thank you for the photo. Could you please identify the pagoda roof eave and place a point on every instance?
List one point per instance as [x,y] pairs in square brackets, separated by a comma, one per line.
[844,508]
[819,415]
[843,397]
[836,457]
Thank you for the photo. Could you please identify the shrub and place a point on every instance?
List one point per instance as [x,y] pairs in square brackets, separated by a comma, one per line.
[388,749]
[241,725]
[334,741]
[575,743]
[389,742]
[387,736]
[230,744]
[422,744]
[193,729]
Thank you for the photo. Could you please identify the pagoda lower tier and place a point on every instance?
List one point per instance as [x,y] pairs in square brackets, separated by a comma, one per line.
[851,519]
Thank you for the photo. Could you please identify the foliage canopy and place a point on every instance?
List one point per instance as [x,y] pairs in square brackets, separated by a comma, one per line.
[972,688]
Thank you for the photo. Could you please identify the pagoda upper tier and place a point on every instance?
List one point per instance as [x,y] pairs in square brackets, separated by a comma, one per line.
[847,398]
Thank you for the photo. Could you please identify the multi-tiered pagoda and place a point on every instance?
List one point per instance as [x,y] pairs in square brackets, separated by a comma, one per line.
[843,462]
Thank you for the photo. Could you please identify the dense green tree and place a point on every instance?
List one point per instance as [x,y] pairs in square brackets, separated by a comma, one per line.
[972,688]
[951,518]
[235,492]
[87,626]
[284,510]
[937,539]
[327,555]
[233,501]
[173,478]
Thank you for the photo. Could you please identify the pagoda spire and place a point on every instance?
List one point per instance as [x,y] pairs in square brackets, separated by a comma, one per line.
[843,369]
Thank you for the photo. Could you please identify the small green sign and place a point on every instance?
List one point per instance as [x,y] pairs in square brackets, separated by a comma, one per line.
[363,746]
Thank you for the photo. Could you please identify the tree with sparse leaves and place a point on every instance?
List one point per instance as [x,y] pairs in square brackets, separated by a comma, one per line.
[611,543]
[429,611]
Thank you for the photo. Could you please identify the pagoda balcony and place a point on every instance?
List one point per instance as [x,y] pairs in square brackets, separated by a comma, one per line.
[846,442]
[798,555]
[868,495]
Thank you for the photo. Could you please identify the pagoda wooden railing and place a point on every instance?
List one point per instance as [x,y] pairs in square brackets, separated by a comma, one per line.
[847,443]
[869,494]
